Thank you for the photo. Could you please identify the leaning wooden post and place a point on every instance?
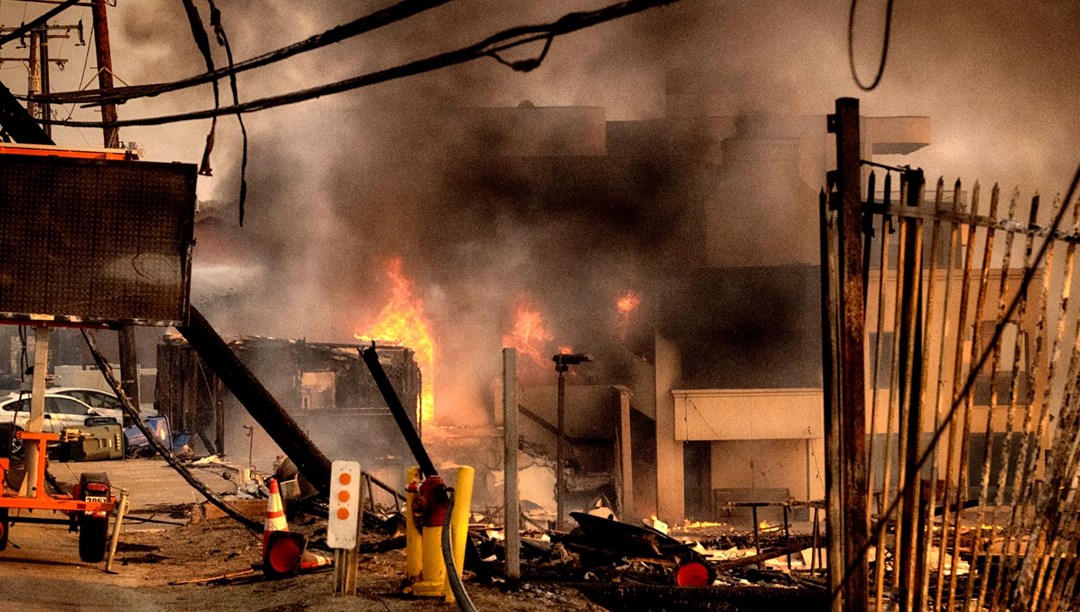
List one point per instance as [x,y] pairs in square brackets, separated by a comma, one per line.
[510,465]
[121,509]
[852,426]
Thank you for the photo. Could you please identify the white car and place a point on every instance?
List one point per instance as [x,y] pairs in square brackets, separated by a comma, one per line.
[60,411]
[103,402]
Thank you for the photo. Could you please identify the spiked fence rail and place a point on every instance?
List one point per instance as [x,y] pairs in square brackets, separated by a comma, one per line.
[972,394]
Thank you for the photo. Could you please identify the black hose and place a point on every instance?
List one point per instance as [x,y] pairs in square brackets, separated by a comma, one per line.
[457,587]
[166,454]
[404,423]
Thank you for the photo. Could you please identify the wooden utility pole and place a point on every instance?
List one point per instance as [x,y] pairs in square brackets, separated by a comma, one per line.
[33,79]
[105,75]
[850,428]
[45,109]
[129,358]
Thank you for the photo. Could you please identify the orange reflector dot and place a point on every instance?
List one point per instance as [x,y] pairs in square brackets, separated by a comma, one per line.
[343,496]
[345,478]
[343,513]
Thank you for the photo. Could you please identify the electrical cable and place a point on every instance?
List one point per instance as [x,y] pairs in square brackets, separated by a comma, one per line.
[223,40]
[198,32]
[884,46]
[363,25]
[166,454]
[26,27]
[507,39]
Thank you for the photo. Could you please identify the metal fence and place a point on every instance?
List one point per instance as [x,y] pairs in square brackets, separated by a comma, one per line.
[968,432]
[972,411]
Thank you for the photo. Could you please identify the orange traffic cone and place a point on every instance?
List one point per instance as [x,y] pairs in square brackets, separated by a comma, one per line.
[310,561]
[275,514]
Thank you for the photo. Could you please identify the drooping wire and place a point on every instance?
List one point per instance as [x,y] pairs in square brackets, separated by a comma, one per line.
[884,46]
[397,12]
[506,39]
[223,40]
[198,32]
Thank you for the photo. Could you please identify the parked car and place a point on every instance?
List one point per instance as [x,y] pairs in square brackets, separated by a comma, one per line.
[105,403]
[60,411]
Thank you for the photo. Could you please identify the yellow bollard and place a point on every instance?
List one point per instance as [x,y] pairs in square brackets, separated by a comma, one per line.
[459,521]
[414,557]
[434,569]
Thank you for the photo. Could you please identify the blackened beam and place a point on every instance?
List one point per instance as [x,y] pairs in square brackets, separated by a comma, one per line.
[371,358]
[17,122]
[254,397]
[539,420]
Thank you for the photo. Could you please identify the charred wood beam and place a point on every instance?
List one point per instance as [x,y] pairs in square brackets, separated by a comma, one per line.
[17,122]
[253,396]
[539,420]
[730,564]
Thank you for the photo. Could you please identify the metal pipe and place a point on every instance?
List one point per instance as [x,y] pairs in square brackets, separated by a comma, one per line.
[845,124]
[371,358]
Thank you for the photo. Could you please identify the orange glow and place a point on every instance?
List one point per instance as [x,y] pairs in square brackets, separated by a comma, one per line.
[627,303]
[625,306]
[528,334]
[402,322]
[566,350]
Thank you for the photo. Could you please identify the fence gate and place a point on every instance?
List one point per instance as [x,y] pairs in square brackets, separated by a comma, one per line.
[952,389]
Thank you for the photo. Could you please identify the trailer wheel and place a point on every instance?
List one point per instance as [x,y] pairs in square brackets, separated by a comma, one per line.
[3,527]
[92,536]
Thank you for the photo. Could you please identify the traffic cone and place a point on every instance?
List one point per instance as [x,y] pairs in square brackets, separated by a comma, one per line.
[310,561]
[275,514]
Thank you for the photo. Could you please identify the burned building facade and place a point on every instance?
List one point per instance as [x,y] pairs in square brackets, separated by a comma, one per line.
[326,388]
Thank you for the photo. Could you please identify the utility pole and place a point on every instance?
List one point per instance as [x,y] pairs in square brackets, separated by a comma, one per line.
[129,358]
[105,76]
[37,64]
[33,85]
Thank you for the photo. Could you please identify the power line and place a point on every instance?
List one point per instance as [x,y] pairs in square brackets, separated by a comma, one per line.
[397,12]
[884,46]
[489,47]
[26,27]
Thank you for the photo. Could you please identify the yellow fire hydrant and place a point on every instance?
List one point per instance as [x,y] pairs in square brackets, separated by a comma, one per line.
[427,501]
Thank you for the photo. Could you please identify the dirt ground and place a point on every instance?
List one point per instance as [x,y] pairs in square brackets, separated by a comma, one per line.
[41,569]
[45,573]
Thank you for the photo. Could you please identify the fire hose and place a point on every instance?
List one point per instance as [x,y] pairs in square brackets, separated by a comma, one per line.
[457,587]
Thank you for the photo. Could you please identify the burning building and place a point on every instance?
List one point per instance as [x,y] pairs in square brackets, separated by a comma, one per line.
[324,387]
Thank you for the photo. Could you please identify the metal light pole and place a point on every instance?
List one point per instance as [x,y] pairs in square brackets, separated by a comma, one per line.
[563,361]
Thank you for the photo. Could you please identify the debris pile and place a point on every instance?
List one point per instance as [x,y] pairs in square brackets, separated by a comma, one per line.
[627,566]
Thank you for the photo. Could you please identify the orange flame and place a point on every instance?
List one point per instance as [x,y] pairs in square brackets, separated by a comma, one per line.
[402,322]
[528,334]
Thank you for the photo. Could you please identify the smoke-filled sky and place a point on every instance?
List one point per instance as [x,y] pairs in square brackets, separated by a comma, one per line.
[999,79]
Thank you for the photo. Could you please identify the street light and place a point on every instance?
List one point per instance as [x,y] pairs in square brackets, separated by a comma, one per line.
[563,361]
